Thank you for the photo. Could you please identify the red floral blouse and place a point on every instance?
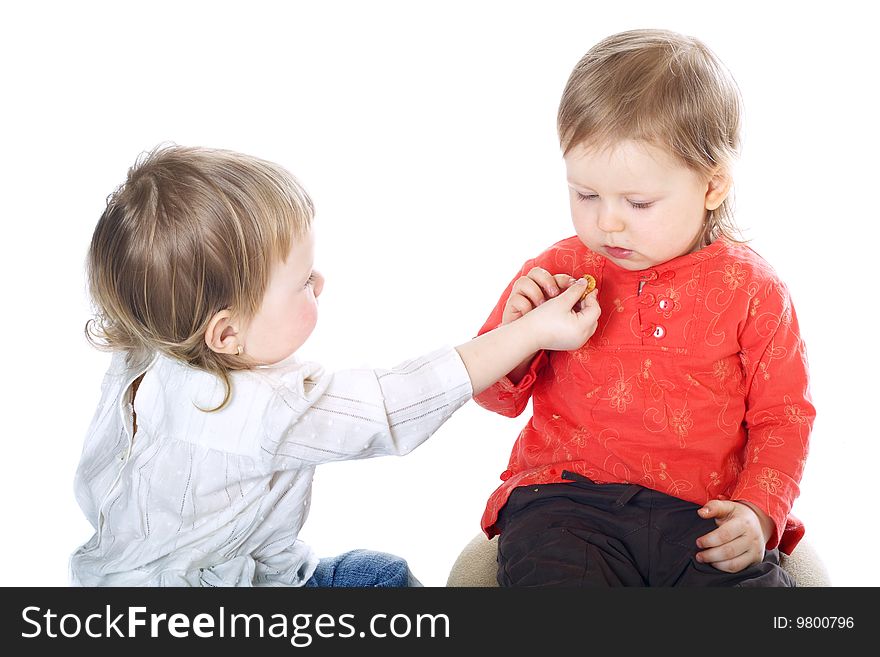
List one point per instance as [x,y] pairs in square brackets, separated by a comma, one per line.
[695,384]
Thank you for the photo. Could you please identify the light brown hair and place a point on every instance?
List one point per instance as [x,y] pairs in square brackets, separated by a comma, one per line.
[190,232]
[663,88]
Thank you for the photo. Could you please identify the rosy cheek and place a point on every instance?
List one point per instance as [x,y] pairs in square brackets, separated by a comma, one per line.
[308,312]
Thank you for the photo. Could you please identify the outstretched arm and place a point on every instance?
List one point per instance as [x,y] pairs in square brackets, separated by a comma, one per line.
[355,414]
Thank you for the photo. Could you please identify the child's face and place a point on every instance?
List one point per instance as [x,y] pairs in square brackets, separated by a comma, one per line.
[634,203]
[289,311]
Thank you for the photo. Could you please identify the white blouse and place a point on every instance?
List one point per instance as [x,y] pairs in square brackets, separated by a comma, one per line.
[218,498]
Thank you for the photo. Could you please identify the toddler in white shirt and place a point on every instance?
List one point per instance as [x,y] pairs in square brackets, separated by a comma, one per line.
[197,467]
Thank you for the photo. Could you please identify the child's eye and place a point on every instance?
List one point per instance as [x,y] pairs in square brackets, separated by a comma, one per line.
[312,278]
[641,205]
[586,197]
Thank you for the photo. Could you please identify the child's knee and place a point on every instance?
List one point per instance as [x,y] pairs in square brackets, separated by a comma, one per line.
[379,569]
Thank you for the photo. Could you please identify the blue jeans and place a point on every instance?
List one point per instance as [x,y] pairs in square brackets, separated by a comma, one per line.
[363,568]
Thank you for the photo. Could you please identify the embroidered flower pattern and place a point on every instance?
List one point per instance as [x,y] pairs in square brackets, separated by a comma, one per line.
[651,475]
[794,413]
[662,474]
[579,438]
[581,357]
[621,395]
[769,481]
[668,303]
[786,317]
[720,369]
[680,421]
[714,480]
[734,276]
[591,260]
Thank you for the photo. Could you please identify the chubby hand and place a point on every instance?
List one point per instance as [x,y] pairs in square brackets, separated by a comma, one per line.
[738,542]
[531,290]
[566,321]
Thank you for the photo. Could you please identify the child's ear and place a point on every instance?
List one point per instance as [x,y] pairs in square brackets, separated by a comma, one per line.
[222,335]
[718,188]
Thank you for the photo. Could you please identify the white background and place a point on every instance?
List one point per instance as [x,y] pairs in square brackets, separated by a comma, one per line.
[426,136]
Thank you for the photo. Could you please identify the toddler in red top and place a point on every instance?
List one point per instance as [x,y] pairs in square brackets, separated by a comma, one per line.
[668,449]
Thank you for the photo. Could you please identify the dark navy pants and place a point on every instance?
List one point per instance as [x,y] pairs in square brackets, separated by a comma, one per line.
[587,534]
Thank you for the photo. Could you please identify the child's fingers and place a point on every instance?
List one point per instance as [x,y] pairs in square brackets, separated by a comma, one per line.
[726,552]
[719,536]
[563,281]
[546,281]
[734,565]
[530,289]
[730,557]
[519,304]
[572,295]
[589,306]
[591,300]
[719,509]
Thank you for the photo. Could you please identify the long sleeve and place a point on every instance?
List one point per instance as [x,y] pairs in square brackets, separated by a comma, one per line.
[779,414]
[354,414]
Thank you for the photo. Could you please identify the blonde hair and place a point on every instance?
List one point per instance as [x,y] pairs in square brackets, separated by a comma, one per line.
[192,231]
[663,88]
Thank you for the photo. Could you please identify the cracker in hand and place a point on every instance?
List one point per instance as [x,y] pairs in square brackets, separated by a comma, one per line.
[591,285]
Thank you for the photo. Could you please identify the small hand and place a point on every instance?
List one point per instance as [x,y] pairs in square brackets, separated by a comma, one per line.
[739,540]
[531,290]
[566,322]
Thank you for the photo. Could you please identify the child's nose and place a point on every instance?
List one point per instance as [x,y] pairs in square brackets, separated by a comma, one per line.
[318,285]
[610,221]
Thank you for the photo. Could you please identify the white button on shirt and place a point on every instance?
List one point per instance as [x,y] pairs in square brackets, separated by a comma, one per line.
[218,498]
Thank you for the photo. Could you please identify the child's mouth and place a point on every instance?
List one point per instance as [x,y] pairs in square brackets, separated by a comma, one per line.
[617,252]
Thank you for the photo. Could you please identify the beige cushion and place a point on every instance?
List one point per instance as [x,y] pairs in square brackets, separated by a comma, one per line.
[476,565]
